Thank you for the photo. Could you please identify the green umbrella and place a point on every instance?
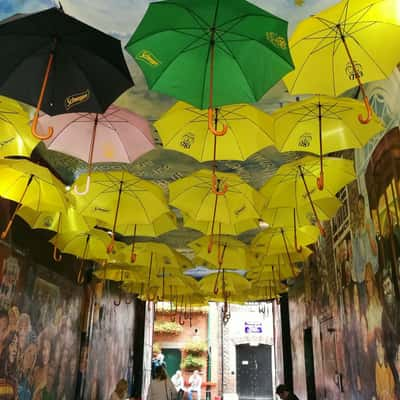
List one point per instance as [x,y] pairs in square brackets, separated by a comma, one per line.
[211,53]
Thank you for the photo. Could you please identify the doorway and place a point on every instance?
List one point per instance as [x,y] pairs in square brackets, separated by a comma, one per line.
[254,372]
[172,358]
[309,364]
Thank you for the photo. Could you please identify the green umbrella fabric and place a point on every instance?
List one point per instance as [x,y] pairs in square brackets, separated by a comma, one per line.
[172,45]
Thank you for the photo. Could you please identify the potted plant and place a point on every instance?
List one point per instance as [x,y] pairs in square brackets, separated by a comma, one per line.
[195,347]
[191,362]
[167,328]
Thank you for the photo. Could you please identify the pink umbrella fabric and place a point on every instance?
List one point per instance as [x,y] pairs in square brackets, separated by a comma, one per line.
[118,135]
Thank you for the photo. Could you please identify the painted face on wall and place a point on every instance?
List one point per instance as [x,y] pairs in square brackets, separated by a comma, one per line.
[13,349]
[388,290]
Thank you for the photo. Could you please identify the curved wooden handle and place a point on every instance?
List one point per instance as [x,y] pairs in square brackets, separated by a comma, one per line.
[320,181]
[110,247]
[56,257]
[86,190]
[133,258]
[181,321]
[80,280]
[366,120]
[127,302]
[211,125]
[214,186]
[117,303]
[34,131]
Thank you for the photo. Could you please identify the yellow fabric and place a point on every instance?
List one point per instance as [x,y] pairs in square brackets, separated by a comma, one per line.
[234,253]
[286,188]
[284,216]
[234,283]
[145,198]
[271,241]
[193,196]
[44,193]
[184,128]
[61,222]
[321,62]
[16,138]
[296,125]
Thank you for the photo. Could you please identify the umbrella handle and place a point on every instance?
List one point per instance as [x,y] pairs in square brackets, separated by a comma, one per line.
[320,181]
[133,258]
[211,126]
[110,247]
[181,321]
[127,302]
[369,112]
[50,130]
[117,303]
[10,222]
[86,190]
[214,187]
[80,279]
[56,257]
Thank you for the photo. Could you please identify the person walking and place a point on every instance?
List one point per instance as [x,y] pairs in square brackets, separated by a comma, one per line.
[161,387]
[179,383]
[195,385]
[121,390]
[285,393]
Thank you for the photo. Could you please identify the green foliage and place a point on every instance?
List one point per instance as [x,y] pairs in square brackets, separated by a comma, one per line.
[195,347]
[167,327]
[156,348]
[192,362]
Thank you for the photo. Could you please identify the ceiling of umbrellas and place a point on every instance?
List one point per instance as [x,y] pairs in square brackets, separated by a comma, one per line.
[215,177]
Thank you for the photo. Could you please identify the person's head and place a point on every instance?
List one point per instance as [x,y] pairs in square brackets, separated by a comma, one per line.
[44,349]
[283,391]
[12,347]
[195,372]
[4,322]
[24,324]
[178,373]
[160,373]
[122,388]
[388,289]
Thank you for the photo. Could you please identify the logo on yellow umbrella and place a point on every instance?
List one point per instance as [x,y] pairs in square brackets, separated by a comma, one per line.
[305,140]
[350,71]
[48,221]
[187,140]
[149,58]
[276,40]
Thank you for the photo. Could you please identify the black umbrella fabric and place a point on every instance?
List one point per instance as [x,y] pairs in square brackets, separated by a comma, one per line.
[59,64]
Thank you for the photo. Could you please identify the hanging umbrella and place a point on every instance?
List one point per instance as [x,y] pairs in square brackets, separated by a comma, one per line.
[120,272]
[352,42]
[184,128]
[293,183]
[59,64]
[200,52]
[194,196]
[15,137]
[30,185]
[117,196]
[322,125]
[118,135]
[59,222]
[225,229]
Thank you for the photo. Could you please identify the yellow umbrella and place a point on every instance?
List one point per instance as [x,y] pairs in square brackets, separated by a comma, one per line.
[232,202]
[351,41]
[322,125]
[230,253]
[117,196]
[59,222]
[292,184]
[265,291]
[15,137]
[274,272]
[225,229]
[30,185]
[120,272]
[184,128]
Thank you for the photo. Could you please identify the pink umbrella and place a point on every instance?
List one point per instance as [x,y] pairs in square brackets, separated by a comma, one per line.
[118,135]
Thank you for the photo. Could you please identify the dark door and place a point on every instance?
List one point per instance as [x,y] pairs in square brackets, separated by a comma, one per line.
[309,364]
[172,358]
[254,372]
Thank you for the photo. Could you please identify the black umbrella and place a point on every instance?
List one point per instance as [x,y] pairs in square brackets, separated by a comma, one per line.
[59,64]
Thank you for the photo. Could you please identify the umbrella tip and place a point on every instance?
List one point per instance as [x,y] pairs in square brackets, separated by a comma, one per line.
[60,7]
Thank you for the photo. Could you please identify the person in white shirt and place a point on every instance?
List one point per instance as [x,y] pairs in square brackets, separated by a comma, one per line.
[195,385]
[179,384]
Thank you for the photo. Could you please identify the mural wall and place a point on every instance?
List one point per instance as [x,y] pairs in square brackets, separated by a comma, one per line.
[351,286]
[39,331]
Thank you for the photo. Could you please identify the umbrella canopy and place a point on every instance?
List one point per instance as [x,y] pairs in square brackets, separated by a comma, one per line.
[338,48]
[118,135]
[114,195]
[59,64]
[228,282]
[194,196]
[187,50]
[184,128]
[30,185]
[294,183]
[229,253]
[15,137]
[322,125]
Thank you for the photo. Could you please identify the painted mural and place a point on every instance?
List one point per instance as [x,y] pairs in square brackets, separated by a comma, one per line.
[108,355]
[39,331]
[353,276]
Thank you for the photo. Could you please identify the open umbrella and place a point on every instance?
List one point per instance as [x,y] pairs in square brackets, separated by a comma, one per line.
[184,128]
[118,135]
[117,196]
[322,125]
[30,185]
[59,64]
[15,137]
[59,222]
[352,42]
[293,183]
